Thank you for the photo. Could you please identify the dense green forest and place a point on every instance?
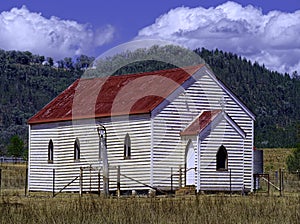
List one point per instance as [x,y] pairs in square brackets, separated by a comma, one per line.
[28,82]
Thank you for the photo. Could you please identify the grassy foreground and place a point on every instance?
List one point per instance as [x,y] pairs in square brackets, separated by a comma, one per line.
[217,208]
[201,209]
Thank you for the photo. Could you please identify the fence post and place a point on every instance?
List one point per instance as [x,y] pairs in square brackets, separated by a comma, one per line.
[254,178]
[80,181]
[53,183]
[171,179]
[180,177]
[26,182]
[280,182]
[268,184]
[118,182]
[90,178]
[99,179]
[230,181]
[0,179]
[276,177]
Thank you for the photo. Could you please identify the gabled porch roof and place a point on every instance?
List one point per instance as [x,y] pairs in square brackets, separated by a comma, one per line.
[206,122]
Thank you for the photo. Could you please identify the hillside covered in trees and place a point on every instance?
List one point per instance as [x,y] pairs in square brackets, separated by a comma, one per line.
[28,82]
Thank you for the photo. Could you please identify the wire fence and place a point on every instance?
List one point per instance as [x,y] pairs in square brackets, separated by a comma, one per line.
[13,180]
[290,183]
[6,159]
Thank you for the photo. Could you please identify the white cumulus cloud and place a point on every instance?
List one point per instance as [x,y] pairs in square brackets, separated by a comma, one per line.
[271,39]
[23,30]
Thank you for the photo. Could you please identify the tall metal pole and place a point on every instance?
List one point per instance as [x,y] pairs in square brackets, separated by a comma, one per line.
[103,153]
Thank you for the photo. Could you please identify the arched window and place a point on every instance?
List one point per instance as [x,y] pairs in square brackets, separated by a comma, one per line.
[50,151]
[222,159]
[76,149]
[127,147]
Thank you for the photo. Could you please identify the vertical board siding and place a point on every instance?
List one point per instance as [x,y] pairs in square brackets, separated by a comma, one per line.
[204,94]
[66,168]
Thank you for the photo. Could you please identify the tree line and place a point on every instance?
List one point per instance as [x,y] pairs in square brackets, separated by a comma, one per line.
[28,82]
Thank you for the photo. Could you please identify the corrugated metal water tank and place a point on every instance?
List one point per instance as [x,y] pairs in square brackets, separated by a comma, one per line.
[258,161]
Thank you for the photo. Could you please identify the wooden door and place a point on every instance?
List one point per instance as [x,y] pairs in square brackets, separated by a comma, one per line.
[190,165]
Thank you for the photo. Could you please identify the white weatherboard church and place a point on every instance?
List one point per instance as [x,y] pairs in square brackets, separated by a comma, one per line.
[155,122]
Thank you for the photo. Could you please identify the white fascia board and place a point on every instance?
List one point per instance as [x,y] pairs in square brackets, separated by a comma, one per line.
[235,126]
[210,127]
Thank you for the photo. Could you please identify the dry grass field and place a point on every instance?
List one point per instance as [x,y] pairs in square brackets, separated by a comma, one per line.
[274,159]
[13,176]
[214,208]
[198,209]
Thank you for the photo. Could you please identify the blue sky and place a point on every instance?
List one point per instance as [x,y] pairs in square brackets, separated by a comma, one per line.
[262,30]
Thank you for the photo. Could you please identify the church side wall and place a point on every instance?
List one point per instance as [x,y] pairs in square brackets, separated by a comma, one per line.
[64,134]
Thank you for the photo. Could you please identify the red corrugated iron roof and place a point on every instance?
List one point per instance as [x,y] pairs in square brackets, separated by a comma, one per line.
[201,122]
[112,96]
